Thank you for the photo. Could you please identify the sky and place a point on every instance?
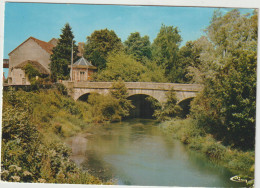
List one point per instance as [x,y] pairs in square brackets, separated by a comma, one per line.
[45,21]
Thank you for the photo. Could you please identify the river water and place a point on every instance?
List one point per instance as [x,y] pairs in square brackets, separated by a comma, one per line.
[136,152]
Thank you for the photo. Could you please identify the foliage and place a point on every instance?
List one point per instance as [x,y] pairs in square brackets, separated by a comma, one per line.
[121,65]
[29,154]
[189,59]
[103,108]
[119,92]
[35,77]
[165,52]
[169,109]
[153,72]
[61,57]
[111,107]
[137,46]
[98,46]
[62,89]
[196,138]
[228,71]
[30,71]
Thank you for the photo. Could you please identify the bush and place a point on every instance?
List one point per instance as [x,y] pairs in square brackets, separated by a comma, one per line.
[213,149]
[62,89]
[169,109]
[30,153]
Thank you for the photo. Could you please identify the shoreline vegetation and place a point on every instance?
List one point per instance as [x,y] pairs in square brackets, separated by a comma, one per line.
[237,161]
[34,126]
[36,123]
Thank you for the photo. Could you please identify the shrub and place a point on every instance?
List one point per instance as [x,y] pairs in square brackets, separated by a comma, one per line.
[169,109]
[213,149]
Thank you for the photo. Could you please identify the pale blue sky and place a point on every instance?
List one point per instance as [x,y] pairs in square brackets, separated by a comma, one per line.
[44,21]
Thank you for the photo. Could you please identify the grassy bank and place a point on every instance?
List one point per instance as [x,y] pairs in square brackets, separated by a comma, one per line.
[34,126]
[238,162]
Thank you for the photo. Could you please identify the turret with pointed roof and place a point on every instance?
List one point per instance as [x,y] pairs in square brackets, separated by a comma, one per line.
[82,70]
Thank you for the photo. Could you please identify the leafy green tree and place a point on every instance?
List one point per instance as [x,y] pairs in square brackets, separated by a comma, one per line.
[139,47]
[189,59]
[61,57]
[229,96]
[121,65]
[165,49]
[200,66]
[99,44]
[153,72]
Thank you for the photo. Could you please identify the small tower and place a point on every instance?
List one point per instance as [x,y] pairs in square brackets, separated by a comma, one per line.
[82,70]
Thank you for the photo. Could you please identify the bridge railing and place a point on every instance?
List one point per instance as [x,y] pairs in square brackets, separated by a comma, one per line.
[136,85]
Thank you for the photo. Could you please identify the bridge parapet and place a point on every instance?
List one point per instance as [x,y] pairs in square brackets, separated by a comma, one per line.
[136,85]
[154,89]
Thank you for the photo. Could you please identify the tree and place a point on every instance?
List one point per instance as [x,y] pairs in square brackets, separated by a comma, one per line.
[98,46]
[139,47]
[229,96]
[190,61]
[125,67]
[61,57]
[165,49]
[153,72]
[121,65]
[119,92]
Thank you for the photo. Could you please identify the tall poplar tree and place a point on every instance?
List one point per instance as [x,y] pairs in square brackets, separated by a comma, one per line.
[61,57]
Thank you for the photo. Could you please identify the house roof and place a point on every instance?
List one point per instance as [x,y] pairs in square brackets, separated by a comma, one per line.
[44,45]
[53,41]
[82,62]
[35,64]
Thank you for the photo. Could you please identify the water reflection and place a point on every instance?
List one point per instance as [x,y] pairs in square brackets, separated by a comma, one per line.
[137,153]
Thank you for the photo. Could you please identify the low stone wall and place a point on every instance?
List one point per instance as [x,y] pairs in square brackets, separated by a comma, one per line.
[136,85]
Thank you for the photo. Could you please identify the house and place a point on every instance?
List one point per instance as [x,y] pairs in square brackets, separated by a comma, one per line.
[5,63]
[82,70]
[33,51]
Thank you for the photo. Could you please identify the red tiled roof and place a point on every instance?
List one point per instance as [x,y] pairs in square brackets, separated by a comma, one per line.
[44,45]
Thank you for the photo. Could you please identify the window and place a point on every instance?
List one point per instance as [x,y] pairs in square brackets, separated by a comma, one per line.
[82,76]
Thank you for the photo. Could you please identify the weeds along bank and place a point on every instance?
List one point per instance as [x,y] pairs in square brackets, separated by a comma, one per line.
[239,162]
[33,127]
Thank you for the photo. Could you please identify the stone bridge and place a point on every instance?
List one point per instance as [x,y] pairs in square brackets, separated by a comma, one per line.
[156,90]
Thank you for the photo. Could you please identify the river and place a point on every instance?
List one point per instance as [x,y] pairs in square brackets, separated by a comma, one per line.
[136,152]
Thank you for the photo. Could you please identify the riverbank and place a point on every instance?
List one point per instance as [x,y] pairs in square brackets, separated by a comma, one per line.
[34,126]
[239,162]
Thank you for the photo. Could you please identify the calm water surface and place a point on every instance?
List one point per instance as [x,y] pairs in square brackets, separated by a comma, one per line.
[135,152]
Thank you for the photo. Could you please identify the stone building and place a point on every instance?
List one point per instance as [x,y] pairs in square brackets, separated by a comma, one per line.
[82,70]
[33,51]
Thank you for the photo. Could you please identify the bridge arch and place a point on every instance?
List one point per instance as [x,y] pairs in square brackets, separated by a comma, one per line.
[143,108]
[84,97]
[185,105]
